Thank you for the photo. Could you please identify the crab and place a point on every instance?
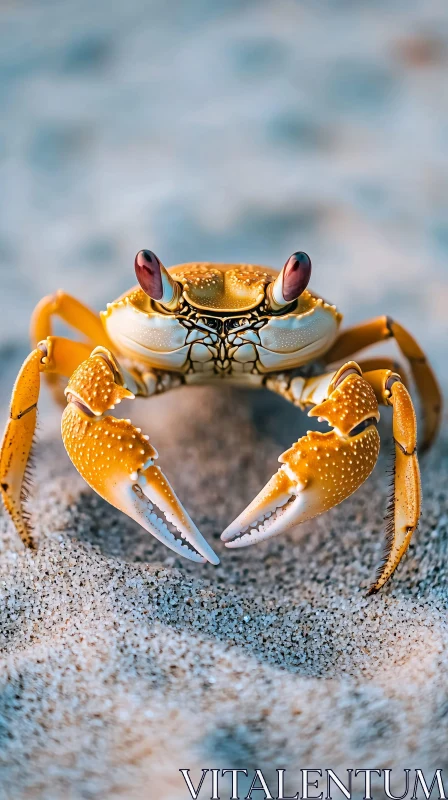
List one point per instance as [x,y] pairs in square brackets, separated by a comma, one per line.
[206,323]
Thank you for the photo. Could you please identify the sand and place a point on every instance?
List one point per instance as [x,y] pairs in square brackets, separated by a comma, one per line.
[237,131]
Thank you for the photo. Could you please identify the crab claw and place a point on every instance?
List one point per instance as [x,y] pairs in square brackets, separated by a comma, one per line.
[318,471]
[117,460]
[153,503]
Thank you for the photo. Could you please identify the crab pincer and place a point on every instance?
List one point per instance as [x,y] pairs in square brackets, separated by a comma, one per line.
[320,469]
[117,460]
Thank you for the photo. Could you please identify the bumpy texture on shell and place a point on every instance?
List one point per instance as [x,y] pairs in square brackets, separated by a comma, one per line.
[255,342]
[223,287]
[93,384]
[106,450]
[349,404]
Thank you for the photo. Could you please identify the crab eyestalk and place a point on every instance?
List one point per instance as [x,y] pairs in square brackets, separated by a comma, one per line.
[291,282]
[156,281]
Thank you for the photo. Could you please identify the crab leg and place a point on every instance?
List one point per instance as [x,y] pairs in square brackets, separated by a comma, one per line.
[55,356]
[377,330]
[380,362]
[73,313]
[117,460]
[404,508]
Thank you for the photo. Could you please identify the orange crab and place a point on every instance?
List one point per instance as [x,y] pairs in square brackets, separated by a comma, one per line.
[242,323]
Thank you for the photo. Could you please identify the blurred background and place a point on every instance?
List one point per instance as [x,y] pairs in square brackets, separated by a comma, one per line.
[225,131]
[234,131]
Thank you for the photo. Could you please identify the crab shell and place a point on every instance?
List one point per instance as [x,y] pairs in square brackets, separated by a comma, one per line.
[257,343]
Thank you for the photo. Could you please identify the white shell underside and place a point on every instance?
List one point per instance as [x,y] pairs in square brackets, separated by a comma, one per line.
[163,342]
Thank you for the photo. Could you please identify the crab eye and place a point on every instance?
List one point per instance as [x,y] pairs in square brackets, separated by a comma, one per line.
[149,274]
[155,280]
[296,275]
[291,282]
